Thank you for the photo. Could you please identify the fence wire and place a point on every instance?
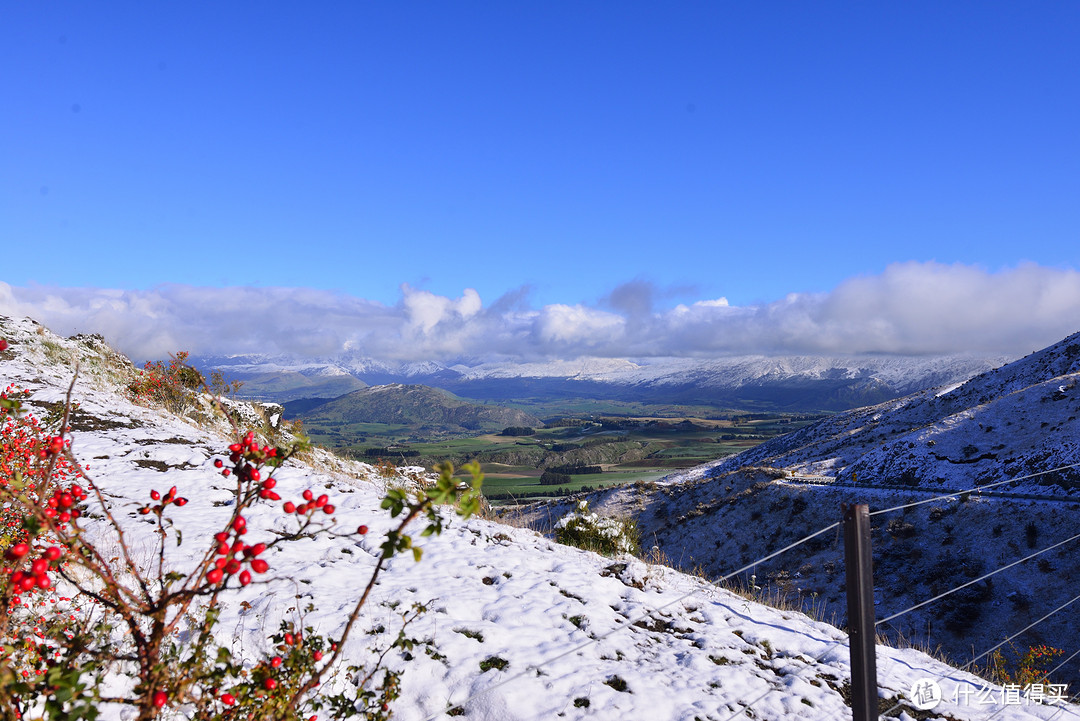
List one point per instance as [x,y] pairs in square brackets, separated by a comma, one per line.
[641,617]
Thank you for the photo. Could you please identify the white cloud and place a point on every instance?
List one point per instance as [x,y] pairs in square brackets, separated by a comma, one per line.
[909,308]
[578,326]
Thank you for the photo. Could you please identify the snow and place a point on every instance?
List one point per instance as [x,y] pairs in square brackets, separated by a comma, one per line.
[567,622]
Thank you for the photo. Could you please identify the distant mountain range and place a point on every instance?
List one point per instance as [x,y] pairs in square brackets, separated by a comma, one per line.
[799,383]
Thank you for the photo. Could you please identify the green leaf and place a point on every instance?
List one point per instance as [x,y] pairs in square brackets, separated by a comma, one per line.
[417,552]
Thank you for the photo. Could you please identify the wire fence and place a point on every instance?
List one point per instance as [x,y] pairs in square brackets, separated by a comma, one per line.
[748,705]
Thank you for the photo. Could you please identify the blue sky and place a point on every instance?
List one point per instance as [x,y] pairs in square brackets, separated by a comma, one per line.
[603,163]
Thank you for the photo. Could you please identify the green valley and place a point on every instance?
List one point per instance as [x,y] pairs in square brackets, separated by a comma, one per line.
[579,445]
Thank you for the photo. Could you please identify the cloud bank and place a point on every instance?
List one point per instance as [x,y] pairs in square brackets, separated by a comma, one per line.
[910,308]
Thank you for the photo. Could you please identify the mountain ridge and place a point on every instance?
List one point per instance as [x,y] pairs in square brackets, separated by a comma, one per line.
[798,383]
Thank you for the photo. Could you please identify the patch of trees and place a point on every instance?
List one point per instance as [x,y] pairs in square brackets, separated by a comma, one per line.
[619,424]
[550,478]
[517,431]
[546,494]
[567,423]
[386,452]
[575,468]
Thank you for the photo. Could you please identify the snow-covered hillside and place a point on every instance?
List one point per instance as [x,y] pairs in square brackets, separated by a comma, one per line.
[576,635]
[1016,420]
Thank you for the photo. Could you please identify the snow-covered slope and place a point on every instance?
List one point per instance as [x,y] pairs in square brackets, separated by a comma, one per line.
[1016,420]
[581,636]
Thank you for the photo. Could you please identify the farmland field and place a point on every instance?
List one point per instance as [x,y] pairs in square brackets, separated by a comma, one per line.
[591,444]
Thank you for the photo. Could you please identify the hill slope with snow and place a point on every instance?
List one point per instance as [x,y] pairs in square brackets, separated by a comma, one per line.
[576,635]
[1016,420]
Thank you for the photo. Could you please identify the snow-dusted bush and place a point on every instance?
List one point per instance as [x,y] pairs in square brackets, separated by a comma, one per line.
[585,529]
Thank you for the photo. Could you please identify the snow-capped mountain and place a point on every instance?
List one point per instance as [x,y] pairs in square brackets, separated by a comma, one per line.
[801,383]
[519,627]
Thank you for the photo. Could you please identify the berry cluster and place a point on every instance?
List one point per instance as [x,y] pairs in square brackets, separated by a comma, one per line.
[34,573]
[61,505]
[170,498]
[248,460]
[310,505]
[234,555]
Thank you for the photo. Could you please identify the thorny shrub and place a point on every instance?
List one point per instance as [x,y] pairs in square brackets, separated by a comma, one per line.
[65,657]
[170,385]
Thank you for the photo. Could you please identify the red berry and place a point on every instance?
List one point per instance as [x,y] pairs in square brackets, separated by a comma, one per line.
[181,501]
[52,553]
[155,496]
[260,566]
[18,550]
[328,508]
[288,639]
[289,507]
[239,523]
[308,495]
[214,576]
[221,536]
[160,699]
[275,661]
[218,463]
[245,578]
[317,655]
[269,483]
[362,530]
[270,684]
[3,345]
[321,500]
[226,472]
[228,699]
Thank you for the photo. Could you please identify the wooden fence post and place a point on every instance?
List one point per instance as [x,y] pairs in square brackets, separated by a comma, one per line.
[859,566]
